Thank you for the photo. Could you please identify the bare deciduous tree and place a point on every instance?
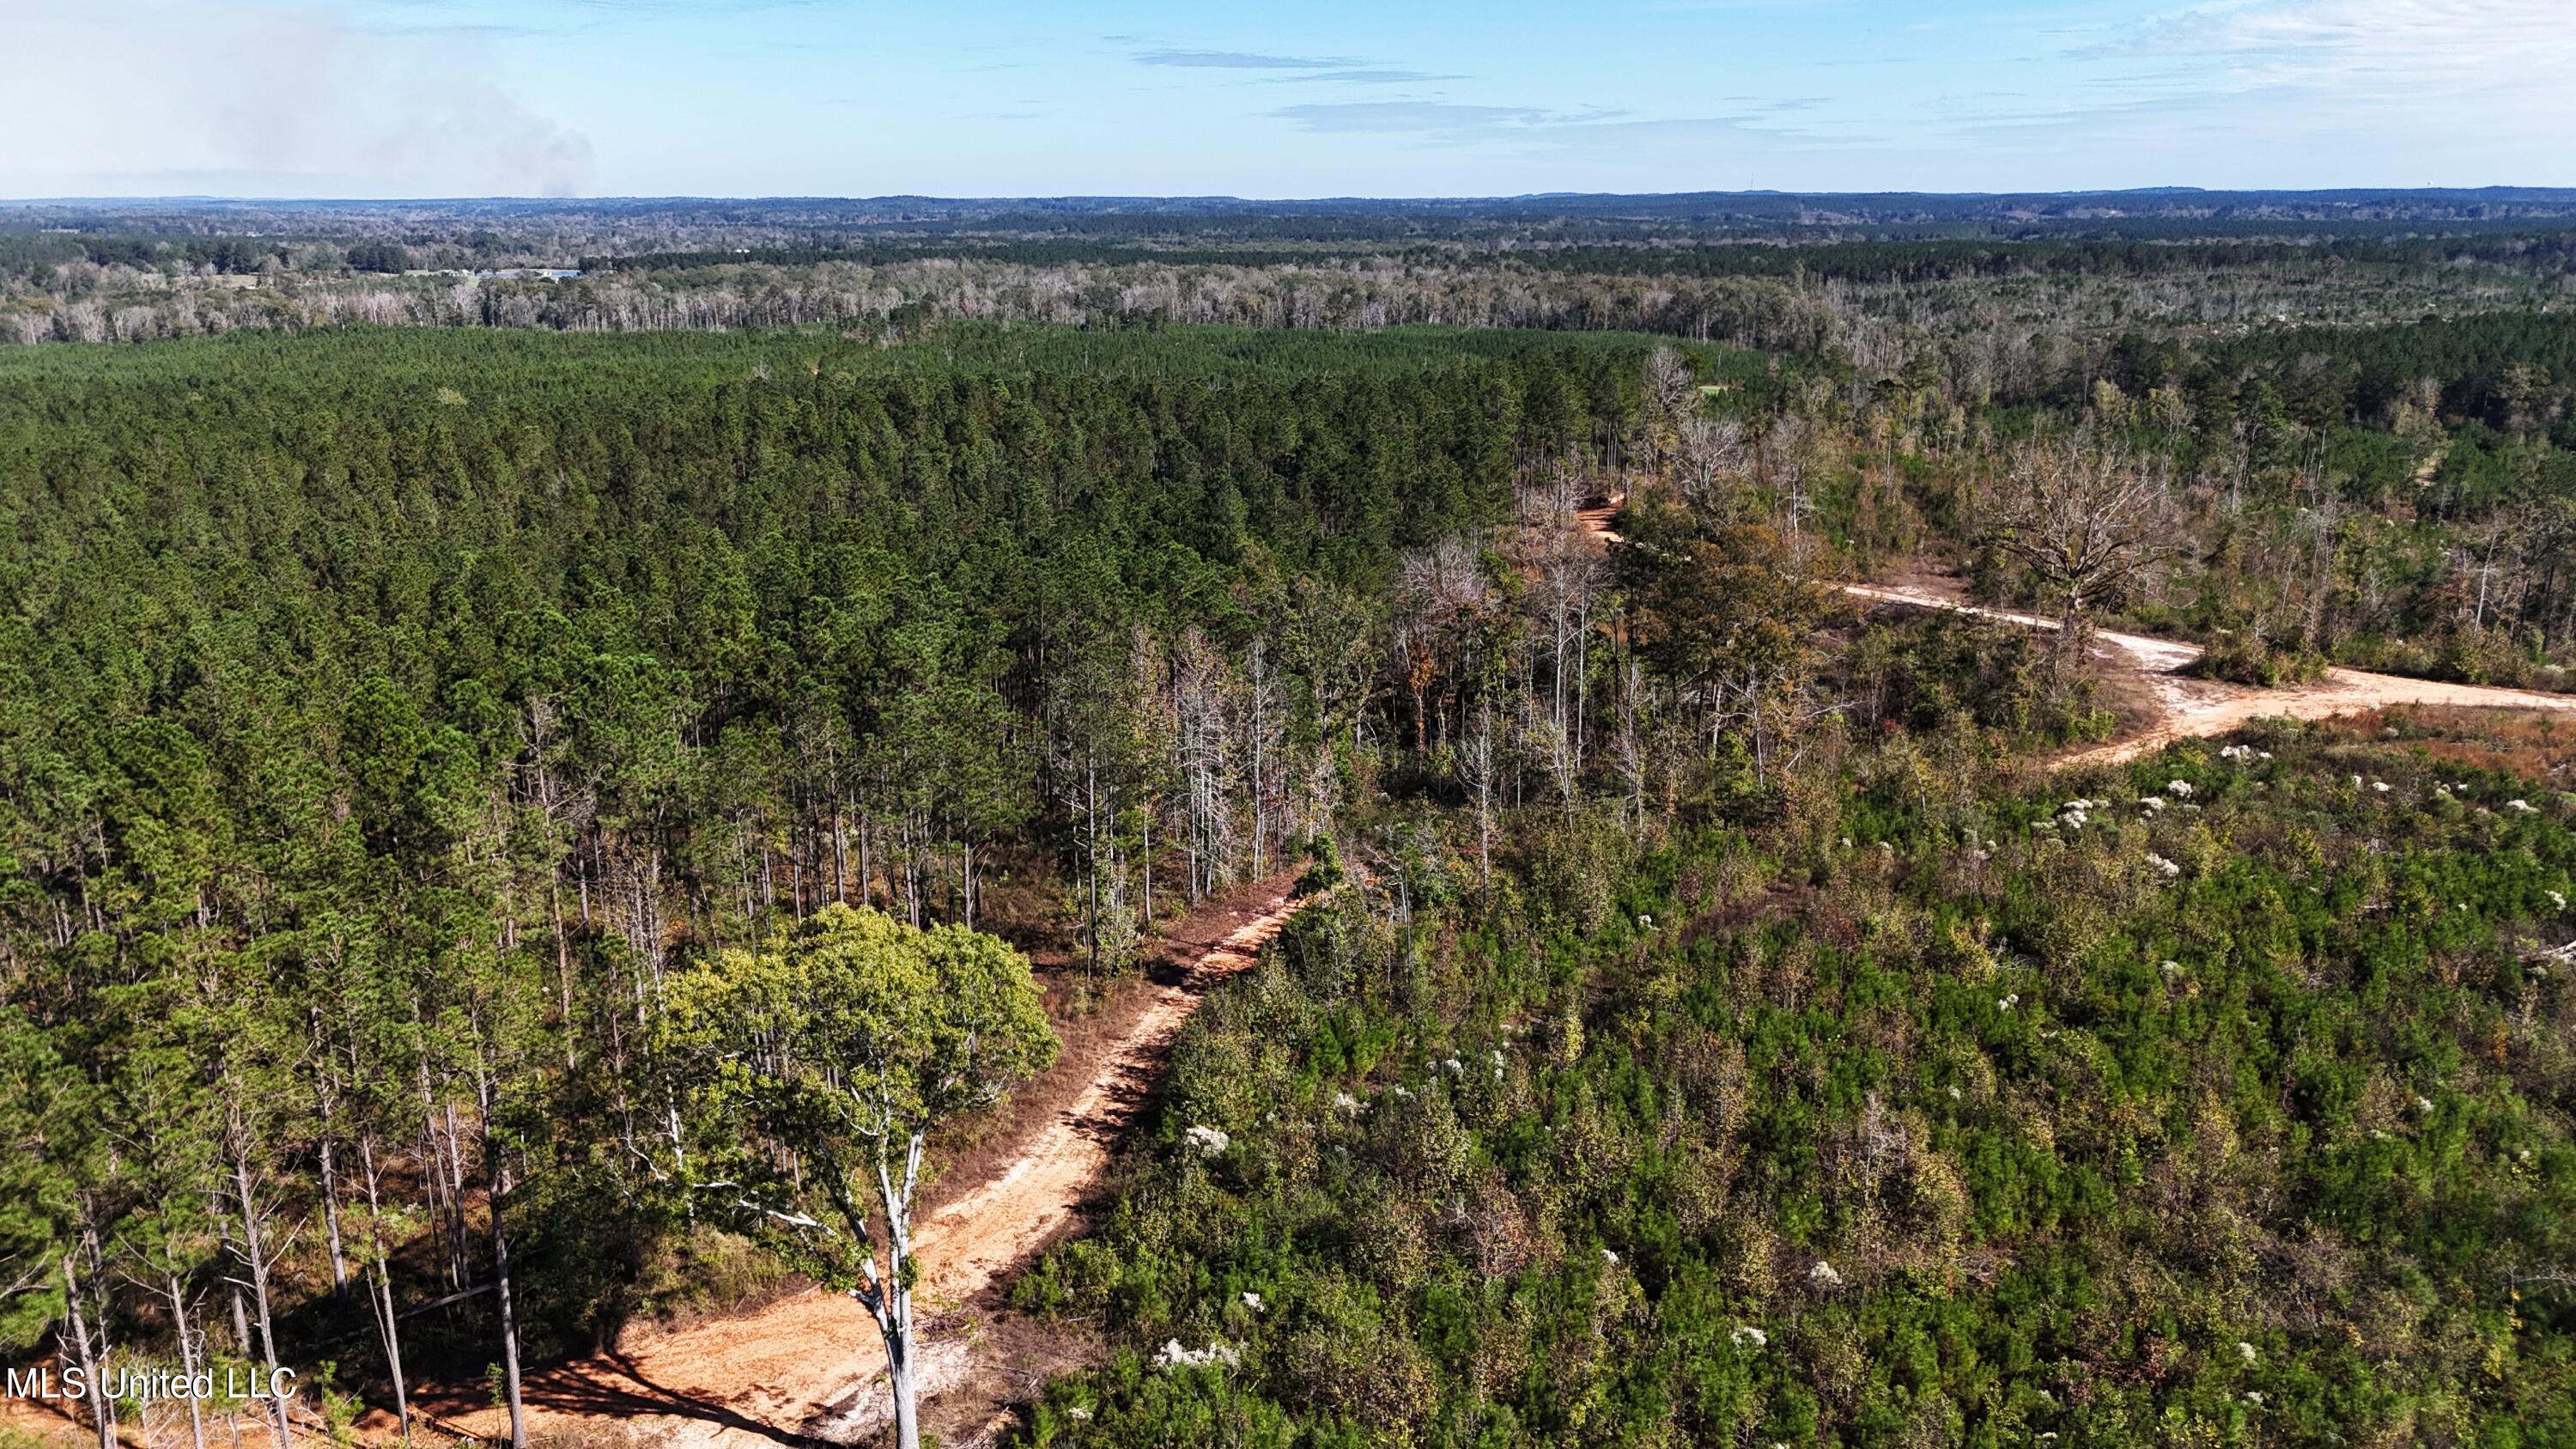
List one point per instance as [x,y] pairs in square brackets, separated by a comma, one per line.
[2086,519]
[1708,456]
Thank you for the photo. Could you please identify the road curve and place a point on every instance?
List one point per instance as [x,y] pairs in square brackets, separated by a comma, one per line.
[2190,707]
[2197,708]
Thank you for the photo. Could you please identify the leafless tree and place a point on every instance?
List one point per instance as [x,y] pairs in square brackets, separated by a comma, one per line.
[1708,457]
[2086,519]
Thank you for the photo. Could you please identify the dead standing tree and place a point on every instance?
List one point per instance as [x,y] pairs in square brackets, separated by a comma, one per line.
[2086,520]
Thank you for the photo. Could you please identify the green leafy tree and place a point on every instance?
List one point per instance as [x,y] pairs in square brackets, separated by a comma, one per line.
[821,1063]
[1730,620]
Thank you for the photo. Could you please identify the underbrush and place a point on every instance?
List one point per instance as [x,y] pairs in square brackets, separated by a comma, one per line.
[2218,1098]
[706,1272]
[2465,656]
[2529,744]
[2262,663]
[1921,671]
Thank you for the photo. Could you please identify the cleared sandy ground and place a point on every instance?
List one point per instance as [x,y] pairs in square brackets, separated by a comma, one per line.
[2190,707]
[2197,708]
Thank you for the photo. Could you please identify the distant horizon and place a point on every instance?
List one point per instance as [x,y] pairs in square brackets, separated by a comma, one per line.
[1312,199]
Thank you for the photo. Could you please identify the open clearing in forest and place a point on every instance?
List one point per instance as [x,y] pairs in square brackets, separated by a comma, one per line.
[807,1367]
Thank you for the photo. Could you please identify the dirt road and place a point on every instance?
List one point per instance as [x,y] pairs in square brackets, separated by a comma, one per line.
[806,1369]
[1597,516]
[2197,708]
[2190,707]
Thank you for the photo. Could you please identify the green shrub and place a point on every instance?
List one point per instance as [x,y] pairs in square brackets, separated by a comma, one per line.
[2244,658]
[2227,1119]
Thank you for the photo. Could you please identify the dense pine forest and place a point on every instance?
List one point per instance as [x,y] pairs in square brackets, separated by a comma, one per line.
[391,716]
[499,818]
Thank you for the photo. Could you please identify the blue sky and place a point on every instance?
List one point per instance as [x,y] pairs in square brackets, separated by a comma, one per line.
[839,97]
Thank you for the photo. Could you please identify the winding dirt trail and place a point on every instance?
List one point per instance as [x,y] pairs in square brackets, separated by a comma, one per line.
[2191,707]
[2197,708]
[807,1369]
[1597,516]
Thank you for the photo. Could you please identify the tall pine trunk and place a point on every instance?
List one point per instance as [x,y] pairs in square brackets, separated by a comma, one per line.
[331,1220]
[381,1297]
[494,1185]
[90,1354]
[255,1256]
[187,1359]
[894,1296]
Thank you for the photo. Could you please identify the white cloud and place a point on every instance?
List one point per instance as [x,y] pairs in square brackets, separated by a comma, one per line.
[1366,76]
[2298,93]
[2377,50]
[1528,128]
[163,96]
[1442,119]
[1234,60]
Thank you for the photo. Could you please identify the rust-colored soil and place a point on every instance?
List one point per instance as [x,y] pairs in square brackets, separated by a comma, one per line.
[807,1368]
[1597,516]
